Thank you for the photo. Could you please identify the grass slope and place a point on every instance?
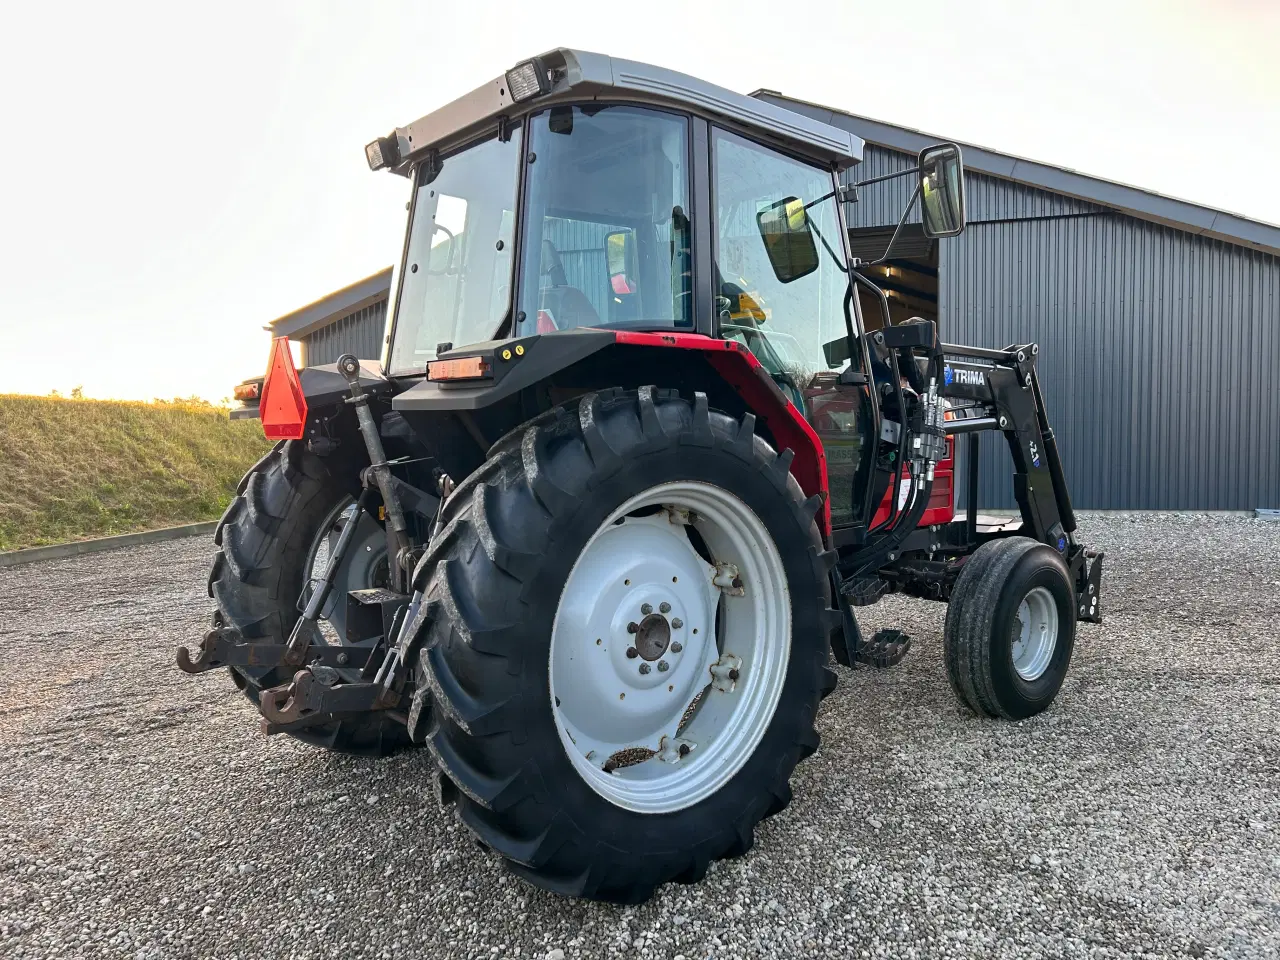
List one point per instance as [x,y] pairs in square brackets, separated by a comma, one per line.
[71,469]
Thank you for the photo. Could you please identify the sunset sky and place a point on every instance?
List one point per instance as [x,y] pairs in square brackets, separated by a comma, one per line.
[173,176]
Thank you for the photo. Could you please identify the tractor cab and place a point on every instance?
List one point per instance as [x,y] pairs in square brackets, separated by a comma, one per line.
[579,193]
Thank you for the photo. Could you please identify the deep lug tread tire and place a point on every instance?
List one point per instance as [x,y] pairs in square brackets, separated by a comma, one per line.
[510,535]
[979,624]
[258,574]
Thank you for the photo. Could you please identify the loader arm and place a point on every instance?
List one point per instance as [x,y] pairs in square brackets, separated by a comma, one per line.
[987,391]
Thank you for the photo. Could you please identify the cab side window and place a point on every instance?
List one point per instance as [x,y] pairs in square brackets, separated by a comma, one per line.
[789,309]
[795,328]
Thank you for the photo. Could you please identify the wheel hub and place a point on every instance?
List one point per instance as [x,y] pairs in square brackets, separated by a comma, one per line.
[653,636]
[1035,634]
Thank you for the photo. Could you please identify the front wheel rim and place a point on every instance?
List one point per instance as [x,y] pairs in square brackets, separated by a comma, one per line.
[1035,634]
[670,647]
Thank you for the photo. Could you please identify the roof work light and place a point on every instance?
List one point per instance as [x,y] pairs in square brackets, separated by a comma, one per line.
[528,79]
[383,152]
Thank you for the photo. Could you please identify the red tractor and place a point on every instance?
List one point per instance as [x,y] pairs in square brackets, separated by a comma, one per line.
[631,461]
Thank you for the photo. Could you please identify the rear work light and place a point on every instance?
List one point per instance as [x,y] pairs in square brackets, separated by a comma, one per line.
[527,80]
[283,409]
[247,391]
[464,368]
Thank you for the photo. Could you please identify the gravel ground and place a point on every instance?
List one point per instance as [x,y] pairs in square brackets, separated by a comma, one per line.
[143,815]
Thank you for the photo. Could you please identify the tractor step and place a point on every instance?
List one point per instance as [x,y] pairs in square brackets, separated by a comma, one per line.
[886,648]
[864,591]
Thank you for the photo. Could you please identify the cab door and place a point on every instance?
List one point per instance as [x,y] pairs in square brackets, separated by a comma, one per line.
[787,303]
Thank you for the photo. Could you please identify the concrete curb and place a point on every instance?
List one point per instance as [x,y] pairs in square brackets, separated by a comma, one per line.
[78,547]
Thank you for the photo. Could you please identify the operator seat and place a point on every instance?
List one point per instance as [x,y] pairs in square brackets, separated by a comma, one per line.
[561,306]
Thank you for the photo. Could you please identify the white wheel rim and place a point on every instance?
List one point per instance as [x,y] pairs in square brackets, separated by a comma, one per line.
[1035,634]
[673,734]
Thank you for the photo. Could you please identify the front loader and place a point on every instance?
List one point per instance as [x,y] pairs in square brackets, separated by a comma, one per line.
[632,459]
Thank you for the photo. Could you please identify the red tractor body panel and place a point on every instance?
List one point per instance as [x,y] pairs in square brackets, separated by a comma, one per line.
[942,496]
[743,372]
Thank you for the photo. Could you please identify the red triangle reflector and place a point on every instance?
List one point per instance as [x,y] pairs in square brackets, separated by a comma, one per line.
[283,408]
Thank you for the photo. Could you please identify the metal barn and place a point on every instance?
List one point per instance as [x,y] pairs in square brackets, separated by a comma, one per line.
[1158,319]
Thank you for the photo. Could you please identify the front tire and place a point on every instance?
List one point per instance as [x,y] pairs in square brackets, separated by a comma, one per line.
[1010,628]
[500,657]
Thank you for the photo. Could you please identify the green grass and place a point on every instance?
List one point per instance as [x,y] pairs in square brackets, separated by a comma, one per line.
[72,469]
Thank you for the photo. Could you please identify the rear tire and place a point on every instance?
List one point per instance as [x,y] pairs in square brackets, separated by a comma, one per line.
[1010,628]
[512,535]
[259,572]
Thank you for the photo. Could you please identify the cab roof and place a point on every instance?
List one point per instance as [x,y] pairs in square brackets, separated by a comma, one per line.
[576,75]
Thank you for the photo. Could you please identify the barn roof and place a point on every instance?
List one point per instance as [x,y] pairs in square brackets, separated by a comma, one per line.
[340,303]
[1135,201]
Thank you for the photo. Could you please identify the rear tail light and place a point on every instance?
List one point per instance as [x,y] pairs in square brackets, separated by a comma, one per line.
[464,368]
[283,409]
[247,391]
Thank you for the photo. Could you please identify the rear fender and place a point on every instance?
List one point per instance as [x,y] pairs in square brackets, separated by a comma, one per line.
[324,387]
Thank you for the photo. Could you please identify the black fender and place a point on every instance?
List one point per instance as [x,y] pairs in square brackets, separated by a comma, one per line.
[511,365]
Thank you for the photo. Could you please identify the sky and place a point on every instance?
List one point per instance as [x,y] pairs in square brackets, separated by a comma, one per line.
[173,176]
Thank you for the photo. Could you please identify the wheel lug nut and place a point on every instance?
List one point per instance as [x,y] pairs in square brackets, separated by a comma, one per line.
[644,668]
[632,653]
[646,608]
[664,607]
[676,646]
[663,667]
[677,623]
[733,675]
[633,627]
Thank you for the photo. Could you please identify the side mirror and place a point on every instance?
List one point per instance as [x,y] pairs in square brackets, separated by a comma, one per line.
[620,256]
[788,239]
[941,190]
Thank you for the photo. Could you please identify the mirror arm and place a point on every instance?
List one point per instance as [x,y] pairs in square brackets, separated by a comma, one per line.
[896,231]
[888,176]
[884,301]
[836,258]
[822,199]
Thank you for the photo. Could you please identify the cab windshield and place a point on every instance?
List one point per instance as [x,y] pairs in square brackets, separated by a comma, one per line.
[455,283]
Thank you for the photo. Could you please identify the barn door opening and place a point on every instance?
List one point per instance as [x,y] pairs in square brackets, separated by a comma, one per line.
[909,278]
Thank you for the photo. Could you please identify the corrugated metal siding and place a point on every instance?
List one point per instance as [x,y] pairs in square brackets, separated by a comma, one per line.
[581,247]
[360,333]
[881,204]
[986,198]
[1159,351]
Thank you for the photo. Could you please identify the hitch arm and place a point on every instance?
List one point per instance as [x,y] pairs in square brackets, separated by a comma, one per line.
[223,647]
[316,695]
